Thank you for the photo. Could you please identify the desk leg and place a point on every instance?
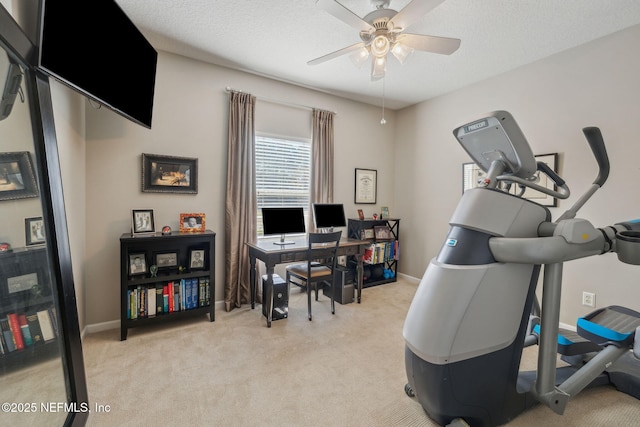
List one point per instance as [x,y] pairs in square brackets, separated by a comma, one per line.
[360,275]
[269,293]
[253,282]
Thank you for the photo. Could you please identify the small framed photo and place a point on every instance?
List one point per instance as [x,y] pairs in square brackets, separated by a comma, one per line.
[34,231]
[167,259]
[382,232]
[196,259]
[192,222]
[137,264]
[367,233]
[360,214]
[169,174]
[384,212]
[142,221]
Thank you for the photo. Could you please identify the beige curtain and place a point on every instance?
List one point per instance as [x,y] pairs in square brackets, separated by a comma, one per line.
[322,159]
[241,203]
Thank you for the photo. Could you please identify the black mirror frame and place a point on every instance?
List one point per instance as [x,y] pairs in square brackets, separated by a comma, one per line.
[16,43]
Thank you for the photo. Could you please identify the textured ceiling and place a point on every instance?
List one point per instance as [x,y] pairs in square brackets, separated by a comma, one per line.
[276,38]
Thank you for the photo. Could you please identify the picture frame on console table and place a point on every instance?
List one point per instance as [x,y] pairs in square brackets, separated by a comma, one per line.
[366,186]
[196,259]
[142,222]
[167,259]
[137,264]
[169,174]
[192,222]
[34,231]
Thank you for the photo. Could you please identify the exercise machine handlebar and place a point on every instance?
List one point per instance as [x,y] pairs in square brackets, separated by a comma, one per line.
[562,191]
[596,142]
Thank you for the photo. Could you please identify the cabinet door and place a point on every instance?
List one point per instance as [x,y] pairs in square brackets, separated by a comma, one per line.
[40,354]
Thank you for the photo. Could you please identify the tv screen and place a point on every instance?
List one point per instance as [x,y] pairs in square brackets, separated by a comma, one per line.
[94,48]
[328,215]
[282,221]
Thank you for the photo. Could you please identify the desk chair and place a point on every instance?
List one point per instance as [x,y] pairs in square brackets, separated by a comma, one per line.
[320,266]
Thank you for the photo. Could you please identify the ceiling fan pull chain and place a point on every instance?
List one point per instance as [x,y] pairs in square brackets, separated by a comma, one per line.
[383,120]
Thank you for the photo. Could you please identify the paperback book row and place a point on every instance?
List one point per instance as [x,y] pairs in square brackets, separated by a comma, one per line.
[168,297]
[22,330]
[381,252]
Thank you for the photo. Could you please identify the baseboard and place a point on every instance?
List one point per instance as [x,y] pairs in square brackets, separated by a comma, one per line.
[409,278]
[115,324]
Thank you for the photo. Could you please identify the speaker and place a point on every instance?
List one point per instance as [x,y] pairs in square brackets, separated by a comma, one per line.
[344,287]
[280,298]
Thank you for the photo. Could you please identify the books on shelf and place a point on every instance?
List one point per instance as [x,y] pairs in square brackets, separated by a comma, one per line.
[46,325]
[22,330]
[156,299]
[380,252]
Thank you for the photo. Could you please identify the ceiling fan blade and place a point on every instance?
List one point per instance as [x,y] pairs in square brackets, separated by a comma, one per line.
[442,45]
[345,15]
[413,12]
[336,54]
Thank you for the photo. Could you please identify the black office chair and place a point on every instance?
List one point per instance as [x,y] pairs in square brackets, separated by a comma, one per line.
[320,267]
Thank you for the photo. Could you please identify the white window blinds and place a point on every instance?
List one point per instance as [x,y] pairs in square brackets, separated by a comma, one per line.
[283,174]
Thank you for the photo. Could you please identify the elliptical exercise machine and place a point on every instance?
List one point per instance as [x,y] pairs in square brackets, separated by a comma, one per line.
[470,317]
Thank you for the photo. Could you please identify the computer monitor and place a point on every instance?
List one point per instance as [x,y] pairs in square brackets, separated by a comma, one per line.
[328,215]
[282,221]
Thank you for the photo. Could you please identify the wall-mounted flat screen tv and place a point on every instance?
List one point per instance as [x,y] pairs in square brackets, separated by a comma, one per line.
[94,48]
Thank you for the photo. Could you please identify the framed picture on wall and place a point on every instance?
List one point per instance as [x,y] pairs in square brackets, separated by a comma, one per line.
[551,160]
[366,186]
[169,174]
[472,176]
[17,180]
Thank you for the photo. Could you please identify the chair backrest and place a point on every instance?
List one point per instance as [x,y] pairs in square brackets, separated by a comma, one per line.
[324,246]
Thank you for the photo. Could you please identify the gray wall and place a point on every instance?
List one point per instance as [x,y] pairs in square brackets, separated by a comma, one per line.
[593,85]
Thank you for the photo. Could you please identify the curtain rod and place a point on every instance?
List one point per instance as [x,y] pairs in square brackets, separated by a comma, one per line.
[275,101]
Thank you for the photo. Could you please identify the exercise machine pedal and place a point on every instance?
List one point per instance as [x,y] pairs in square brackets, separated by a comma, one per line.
[613,325]
[571,344]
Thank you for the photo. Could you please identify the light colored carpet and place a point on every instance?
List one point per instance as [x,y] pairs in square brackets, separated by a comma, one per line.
[342,370]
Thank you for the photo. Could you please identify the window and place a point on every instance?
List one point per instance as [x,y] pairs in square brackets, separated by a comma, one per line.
[283,174]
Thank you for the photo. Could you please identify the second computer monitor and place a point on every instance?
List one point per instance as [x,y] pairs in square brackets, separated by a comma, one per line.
[328,215]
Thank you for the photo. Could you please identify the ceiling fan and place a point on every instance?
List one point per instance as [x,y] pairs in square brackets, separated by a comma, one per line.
[382,31]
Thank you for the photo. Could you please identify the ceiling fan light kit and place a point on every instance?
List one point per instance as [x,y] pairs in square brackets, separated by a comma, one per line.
[381,33]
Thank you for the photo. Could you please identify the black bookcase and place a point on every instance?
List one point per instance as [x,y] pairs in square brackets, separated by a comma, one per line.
[28,317]
[181,287]
[381,258]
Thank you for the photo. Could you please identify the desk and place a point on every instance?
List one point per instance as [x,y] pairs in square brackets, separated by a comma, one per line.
[271,254]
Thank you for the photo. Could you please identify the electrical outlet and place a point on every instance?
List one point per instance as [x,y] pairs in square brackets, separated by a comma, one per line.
[589,299]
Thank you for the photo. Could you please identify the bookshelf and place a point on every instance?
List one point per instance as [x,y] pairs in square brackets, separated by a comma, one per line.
[183,285]
[28,323]
[381,257]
